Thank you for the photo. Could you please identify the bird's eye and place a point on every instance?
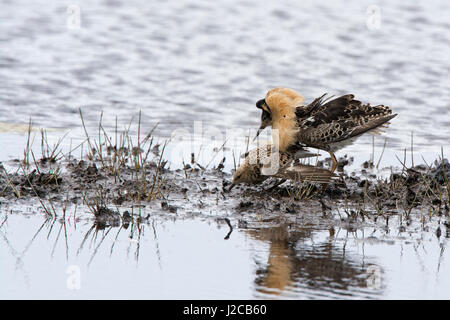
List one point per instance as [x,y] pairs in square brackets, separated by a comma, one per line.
[238,177]
[265,116]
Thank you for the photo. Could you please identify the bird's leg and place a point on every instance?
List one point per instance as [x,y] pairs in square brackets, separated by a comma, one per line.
[334,165]
[276,184]
[324,187]
[335,162]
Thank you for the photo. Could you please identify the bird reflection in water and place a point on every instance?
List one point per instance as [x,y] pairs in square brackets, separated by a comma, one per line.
[298,265]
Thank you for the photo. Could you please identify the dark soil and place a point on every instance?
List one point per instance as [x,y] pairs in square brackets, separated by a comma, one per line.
[359,196]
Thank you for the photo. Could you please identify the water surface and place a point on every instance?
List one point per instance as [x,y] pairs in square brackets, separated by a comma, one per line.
[180,62]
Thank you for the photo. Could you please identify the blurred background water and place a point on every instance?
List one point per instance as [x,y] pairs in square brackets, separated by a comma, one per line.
[179,62]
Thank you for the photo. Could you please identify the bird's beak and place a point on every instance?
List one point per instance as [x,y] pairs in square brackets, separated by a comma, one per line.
[258,132]
[231,187]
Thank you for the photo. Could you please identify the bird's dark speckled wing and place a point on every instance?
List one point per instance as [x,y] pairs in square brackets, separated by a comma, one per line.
[302,172]
[326,121]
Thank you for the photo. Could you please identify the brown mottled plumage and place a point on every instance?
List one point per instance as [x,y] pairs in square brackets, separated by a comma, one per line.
[256,167]
[324,124]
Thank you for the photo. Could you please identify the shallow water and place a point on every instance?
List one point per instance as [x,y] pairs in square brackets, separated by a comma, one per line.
[189,258]
[180,64]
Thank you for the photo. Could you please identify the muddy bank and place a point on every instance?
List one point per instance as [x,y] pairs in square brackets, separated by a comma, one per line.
[112,186]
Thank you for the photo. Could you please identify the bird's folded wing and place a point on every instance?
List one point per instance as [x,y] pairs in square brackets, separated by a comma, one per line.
[305,154]
[301,172]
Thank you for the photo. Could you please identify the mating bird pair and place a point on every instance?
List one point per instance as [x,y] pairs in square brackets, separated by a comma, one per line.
[326,124]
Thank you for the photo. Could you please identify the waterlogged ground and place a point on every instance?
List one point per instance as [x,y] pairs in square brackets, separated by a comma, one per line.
[197,70]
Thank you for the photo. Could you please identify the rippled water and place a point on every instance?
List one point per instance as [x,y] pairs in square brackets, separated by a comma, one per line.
[180,62]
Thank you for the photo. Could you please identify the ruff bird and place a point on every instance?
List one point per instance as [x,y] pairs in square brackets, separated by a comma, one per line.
[259,165]
[326,124]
